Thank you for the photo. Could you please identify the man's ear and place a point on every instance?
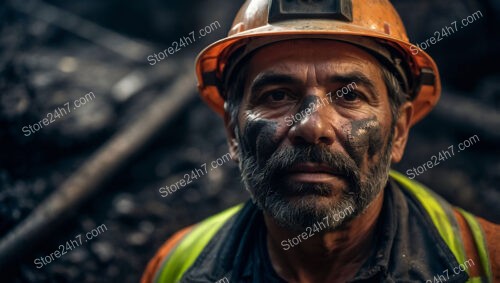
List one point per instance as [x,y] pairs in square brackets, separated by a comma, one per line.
[231,138]
[402,128]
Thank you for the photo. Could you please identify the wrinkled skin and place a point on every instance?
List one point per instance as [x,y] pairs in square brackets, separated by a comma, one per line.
[336,158]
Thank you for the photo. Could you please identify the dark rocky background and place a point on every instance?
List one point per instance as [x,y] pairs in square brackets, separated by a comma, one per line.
[57,51]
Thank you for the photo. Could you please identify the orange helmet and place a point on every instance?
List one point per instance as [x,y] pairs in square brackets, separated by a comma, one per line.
[372,24]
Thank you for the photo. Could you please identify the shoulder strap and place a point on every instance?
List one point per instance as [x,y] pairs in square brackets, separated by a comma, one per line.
[443,218]
[480,241]
[155,262]
[492,234]
[184,254]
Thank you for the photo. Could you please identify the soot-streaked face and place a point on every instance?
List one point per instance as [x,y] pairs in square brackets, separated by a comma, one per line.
[335,155]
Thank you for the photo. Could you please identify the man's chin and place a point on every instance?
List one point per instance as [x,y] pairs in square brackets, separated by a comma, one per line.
[313,202]
[299,212]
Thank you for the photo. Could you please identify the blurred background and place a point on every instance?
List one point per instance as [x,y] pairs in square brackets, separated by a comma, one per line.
[144,127]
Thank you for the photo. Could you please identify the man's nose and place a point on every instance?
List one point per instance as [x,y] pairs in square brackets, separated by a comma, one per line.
[315,127]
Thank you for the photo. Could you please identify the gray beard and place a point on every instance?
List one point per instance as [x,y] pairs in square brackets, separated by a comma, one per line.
[268,192]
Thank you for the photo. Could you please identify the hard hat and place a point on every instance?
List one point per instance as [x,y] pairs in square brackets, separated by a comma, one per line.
[372,24]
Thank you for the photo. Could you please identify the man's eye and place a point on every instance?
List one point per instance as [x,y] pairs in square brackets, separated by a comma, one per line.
[276,95]
[350,96]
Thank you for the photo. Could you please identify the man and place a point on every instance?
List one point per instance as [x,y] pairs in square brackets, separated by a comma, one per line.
[318,98]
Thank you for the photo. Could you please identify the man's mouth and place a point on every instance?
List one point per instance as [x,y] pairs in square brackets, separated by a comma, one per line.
[310,172]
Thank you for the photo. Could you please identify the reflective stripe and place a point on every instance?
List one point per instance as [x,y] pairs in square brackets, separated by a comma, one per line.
[186,252]
[480,241]
[442,221]
[167,258]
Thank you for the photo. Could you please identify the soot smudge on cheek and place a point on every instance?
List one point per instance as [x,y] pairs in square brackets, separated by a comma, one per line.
[258,138]
[363,135]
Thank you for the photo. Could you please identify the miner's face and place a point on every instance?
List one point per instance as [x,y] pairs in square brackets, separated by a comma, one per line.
[314,135]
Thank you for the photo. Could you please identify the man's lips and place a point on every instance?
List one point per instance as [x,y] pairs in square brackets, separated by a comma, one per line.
[310,172]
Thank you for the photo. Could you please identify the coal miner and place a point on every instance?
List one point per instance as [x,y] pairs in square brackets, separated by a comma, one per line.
[325,205]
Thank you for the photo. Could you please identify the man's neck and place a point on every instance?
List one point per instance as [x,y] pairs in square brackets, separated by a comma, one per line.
[332,256]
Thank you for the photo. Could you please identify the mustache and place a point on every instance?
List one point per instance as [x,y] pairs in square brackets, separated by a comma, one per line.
[283,159]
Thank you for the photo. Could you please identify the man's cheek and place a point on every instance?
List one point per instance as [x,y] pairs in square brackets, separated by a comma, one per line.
[362,137]
[259,138]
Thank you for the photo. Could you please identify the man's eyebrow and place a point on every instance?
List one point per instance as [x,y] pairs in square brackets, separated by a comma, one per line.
[355,77]
[268,78]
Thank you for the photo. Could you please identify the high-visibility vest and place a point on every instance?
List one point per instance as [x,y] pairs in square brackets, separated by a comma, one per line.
[186,245]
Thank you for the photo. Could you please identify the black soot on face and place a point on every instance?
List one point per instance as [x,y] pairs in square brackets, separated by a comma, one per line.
[258,138]
[308,102]
[363,135]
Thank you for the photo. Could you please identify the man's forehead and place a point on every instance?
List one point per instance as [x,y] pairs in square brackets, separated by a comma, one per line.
[328,57]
